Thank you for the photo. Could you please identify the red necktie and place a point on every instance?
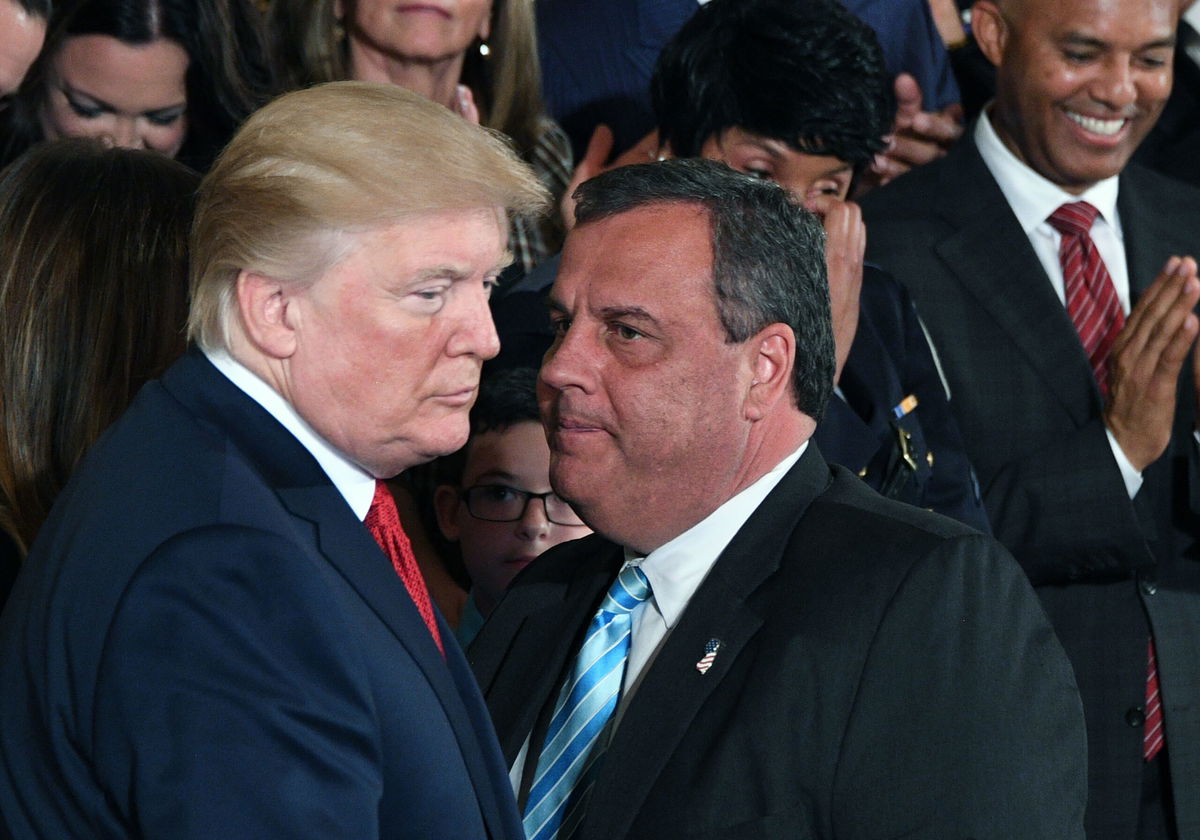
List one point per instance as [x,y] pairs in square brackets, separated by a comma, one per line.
[1152,733]
[1091,297]
[1096,312]
[383,521]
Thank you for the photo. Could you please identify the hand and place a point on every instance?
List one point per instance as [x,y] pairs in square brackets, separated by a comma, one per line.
[918,137]
[1145,362]
[595,161]
[464,104]
[845,243]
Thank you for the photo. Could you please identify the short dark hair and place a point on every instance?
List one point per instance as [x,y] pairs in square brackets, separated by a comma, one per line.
[768,255]
[806,72]
[506,397]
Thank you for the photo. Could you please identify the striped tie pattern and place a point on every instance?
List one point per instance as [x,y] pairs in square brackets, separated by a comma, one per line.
[1152,734]
[1096,312]
[578,731]
[1091,297]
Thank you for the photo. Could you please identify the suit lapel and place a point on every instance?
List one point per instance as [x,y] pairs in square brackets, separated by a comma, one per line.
[673,691]
[990,255]
[526,661]
[323,518]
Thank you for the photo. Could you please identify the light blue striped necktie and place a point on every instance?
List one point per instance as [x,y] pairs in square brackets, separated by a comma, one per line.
[578,732]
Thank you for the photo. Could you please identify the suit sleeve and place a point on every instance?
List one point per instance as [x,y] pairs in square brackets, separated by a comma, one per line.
[967,722]
[230,704]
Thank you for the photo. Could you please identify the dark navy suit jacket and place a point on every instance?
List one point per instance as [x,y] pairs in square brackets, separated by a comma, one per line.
[206,642]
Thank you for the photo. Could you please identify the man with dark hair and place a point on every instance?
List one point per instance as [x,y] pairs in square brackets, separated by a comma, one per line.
[1047,271]
[22,31]
[807,105]
[754,644]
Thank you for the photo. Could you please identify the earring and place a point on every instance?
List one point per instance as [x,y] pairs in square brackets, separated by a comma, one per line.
[484,50]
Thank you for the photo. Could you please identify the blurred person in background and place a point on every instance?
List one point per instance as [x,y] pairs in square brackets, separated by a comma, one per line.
[477,57]
[172,76]
[93,303]
[495,501]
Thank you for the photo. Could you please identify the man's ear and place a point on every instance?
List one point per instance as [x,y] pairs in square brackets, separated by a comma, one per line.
[263,304]
[990,29]
[772,360]
[445,504]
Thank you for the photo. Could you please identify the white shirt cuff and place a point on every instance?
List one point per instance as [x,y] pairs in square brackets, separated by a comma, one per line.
[1133,478]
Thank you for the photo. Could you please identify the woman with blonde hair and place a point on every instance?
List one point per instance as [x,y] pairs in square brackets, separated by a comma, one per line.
[93,303]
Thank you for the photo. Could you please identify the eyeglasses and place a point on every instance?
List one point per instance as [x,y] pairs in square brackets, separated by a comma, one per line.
[500,503]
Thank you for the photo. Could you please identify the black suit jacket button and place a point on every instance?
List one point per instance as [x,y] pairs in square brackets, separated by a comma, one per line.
[1149,586]
[1135,716]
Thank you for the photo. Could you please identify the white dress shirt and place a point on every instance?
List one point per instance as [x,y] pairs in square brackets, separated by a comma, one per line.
[675,571]
[1033,199]
[356,485]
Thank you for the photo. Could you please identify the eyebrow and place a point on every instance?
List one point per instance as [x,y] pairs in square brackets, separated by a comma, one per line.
[609,313]
[72,92]
[495,475]
[1080,39]
[778,148]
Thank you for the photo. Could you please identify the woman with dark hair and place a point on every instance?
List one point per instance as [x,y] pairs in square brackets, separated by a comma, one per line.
[173,76]
[477,57]
[93,302]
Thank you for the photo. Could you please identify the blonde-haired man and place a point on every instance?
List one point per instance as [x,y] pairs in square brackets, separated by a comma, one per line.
[207,641]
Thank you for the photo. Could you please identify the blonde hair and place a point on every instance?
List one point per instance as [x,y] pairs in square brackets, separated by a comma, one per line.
[336,157]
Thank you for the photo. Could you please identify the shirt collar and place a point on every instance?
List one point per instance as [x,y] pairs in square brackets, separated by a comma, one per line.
[676,568]
[1030,195]
[356,485]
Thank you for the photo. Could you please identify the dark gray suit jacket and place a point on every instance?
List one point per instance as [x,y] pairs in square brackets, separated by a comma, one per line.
[1107,569]
[877,675]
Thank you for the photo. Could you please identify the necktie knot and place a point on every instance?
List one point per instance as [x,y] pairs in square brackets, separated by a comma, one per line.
[1074,219]
[629,589]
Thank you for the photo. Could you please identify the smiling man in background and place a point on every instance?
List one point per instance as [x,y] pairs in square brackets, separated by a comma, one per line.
[1050,276]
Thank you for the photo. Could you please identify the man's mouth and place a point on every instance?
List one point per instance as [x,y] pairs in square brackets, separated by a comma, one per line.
[1105,128]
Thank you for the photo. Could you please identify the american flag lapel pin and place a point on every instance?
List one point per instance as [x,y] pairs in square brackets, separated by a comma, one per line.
[710,653]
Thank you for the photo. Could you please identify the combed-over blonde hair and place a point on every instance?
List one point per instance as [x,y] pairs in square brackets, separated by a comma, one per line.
[337,157]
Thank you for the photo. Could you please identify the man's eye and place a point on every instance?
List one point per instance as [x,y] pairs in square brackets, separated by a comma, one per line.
[560,326]
[499,493]
[626,333]
[760,174]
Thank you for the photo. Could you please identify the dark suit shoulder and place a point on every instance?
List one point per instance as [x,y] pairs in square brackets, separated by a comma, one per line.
[907,195]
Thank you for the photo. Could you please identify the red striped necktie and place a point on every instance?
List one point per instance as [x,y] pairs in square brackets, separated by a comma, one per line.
[383,521]
[1096,312]
[1091,297]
